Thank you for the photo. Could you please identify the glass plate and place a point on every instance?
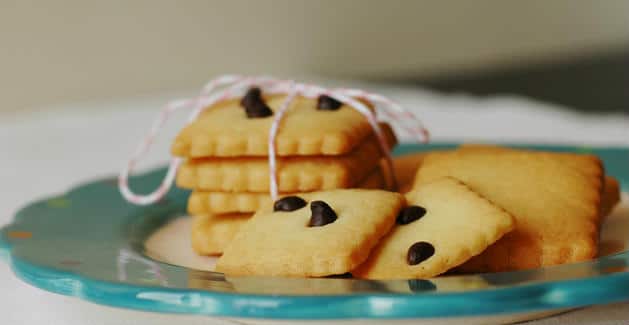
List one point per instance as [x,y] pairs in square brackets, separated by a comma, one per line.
[91,244]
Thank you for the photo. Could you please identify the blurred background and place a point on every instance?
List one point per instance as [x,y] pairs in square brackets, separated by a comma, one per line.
[569,52]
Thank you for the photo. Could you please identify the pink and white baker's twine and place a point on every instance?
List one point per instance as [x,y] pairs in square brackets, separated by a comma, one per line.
[231,86]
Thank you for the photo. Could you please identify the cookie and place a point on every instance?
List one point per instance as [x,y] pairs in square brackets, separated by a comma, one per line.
[556,208]
[580,162]
[444,224]
[214,202]
[331,235]
[226,130]
[211,233]
[611,196]
[405,168]
[295,174]
[610,193]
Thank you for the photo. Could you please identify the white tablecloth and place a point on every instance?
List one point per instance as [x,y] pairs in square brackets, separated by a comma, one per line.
[49,150]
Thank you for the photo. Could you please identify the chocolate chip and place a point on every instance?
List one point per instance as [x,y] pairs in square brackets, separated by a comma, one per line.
[419,252]
[254,104]
[258,110]
[289,203]
[419,285]
[322,214]
[327,103]
[252,96]
[410,214]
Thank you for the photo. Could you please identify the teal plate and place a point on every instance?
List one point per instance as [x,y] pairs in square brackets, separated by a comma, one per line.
[89,243]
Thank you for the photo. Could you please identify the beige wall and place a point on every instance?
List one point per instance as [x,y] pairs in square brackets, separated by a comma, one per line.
[56,51]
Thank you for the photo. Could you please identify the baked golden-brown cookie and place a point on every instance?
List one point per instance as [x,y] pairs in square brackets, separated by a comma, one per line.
[556,206]
[294,174]
[405,168]
[444,224]
[611,196]
[568,159]
[211,233]
[610,191]
[226,130]
[215,202]
[315,234]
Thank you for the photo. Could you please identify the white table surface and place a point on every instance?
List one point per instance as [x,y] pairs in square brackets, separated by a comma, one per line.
[47,151]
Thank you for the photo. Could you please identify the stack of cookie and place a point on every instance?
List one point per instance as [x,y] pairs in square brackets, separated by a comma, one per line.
[321,145]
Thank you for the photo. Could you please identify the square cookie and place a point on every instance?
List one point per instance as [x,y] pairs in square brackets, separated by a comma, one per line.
[556,205]
[295,174]
[328,233]
[405,168]
[213,202]
[611,196]
[444,224]
[580,162]
[211,233]
[611,188]
[224,130]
